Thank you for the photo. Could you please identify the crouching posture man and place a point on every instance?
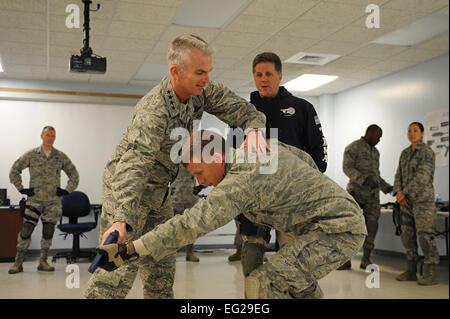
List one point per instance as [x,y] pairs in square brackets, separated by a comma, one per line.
[287,193]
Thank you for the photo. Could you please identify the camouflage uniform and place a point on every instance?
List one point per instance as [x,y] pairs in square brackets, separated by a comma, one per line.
[136,178]
[361,161]
[184,198]
[45,177]
[327,222]
[414,176]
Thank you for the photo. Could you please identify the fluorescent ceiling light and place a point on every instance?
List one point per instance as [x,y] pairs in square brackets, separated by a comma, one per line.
[1,67]
[416,32]
[213,14]
[307,82]
[152,72]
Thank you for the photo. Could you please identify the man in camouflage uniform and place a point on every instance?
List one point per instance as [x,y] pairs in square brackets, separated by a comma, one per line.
[361,165]
[327,223]
[136,197]
[414,191]
[183,198]
[44,195]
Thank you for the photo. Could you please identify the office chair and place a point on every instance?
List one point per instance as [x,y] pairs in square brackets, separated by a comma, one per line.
[75,205]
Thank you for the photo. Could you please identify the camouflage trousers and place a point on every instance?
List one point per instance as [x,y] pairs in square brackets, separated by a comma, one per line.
[420,218]
[371,211]
[157,277]
[294,270]
[237,237]
[49,213]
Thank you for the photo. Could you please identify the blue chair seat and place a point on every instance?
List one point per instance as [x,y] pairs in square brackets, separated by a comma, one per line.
[74,228]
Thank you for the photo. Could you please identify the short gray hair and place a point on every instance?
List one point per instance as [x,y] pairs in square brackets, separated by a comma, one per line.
[181,47]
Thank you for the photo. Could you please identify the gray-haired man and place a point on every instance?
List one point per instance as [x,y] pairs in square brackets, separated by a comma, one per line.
[136,197]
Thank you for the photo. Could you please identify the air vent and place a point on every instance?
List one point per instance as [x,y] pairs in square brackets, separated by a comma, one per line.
[312,58]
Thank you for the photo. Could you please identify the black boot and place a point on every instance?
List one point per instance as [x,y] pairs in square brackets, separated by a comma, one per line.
[346,266]
[410,273]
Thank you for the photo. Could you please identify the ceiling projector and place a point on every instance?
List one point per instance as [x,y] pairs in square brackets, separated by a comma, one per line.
[87,61]
[87,64]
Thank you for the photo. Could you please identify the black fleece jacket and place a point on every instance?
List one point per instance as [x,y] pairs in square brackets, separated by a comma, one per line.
[297,122]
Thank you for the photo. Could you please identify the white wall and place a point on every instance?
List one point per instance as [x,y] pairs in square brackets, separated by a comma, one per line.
[392,102]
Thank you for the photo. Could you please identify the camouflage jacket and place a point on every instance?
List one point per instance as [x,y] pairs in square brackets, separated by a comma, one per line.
[297,198]
[141,162]
[182,191]
[360,161]
[415,173]
[45,173]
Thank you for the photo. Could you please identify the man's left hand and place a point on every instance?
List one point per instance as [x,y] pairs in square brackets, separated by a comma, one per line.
[60,192]
[255,142]
[114,255]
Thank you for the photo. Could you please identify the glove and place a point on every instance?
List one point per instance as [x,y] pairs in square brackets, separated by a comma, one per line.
[389,189]
[27,191]
[60,192]
[114,255]
[197,189]
[372,182]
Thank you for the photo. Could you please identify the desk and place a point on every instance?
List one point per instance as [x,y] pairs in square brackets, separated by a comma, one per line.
[10,225]
[444,233]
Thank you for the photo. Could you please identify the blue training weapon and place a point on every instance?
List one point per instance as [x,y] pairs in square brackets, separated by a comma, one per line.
[111,239]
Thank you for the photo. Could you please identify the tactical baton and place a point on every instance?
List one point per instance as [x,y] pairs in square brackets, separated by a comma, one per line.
[112,239]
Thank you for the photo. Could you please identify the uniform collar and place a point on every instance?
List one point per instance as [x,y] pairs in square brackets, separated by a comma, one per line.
[175,107]
[419,145]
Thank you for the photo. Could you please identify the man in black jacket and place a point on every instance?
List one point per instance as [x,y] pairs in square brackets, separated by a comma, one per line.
[295,118]
[297,124]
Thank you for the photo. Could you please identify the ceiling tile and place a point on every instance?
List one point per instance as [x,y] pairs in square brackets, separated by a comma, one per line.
[350,62]
[256,24]
[417,55]
[390,65]
[174,31]
[443,11]
[359,2]
[426,6]
[24,5]
[24,59]
[240,39]
[107,8]
[23,20]
[287,9]
[156,59]
[359,34]
[228,51]
[7,47]
[378,51]
[310,29]
[143,31]
[143,13]
[97,26]
[335,13]
[285,46]
[334,47]
[162,3]
[127,44]
[23,35]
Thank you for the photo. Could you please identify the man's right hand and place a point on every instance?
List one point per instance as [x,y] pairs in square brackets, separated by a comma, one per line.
[401,198]
[27,191]
[121,227]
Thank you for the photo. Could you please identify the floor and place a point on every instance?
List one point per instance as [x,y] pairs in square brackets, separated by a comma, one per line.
[214,277]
